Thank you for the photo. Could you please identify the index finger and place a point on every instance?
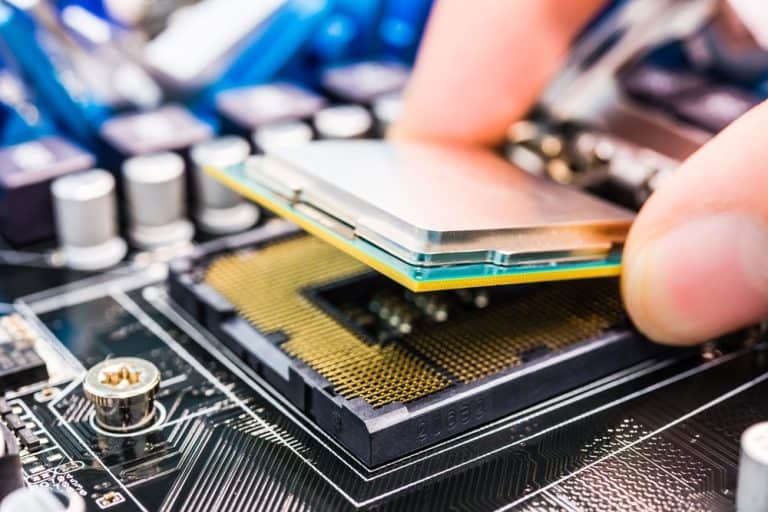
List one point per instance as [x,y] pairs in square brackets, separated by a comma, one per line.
[482,65]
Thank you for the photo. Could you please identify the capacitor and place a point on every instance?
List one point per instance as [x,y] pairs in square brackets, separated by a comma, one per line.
[752,490]
[362,82]
[524,132]
[10,464]
[42,499]
[280,135]
[168,128]
[86,219]
[387,109]
[343,122]
[122,390]
[715,107]
[220,210]
[26,172]
[251,107]
[156,195]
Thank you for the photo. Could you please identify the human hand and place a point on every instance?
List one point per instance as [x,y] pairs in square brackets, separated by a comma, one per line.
[696,260]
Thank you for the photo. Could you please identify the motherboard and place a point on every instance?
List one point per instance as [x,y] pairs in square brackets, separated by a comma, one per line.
[660,433]
[167,345]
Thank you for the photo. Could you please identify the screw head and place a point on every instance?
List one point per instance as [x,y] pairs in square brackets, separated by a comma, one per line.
[123,392]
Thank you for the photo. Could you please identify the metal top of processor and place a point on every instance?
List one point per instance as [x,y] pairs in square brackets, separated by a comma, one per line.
[432,205]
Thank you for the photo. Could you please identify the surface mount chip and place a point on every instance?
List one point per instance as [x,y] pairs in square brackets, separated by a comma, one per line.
[433,217]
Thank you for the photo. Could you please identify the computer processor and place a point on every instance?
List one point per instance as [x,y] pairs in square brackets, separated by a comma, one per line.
[385,371]
[432,217]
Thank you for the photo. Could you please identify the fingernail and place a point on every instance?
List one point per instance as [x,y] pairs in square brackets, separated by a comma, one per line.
[702,279]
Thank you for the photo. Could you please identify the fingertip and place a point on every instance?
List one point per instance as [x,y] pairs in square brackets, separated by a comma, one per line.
[464,87]
[704,278]
[640,293]
[396,131]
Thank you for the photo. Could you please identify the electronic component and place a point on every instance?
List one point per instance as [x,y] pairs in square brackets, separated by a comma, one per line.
[732,44]
[38,49]
[283,134]
[715,107]
[387,109]
[752,491]
[384,370]
[343,122]
[123,392]
[20,364]
[362,82]
[10,464]
[28,439]
[219,210]
[13,422]
[43,499]
[168,128]
[86,220]
[16,426]
[295,377]
[251,107]
[116,79]
[155,190]
[433,217]
[26,172]
[659,86]
[110,499]
[588,158]
[181,57]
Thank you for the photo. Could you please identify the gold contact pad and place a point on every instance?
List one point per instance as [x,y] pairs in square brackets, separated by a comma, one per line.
[489,340]
[264,286]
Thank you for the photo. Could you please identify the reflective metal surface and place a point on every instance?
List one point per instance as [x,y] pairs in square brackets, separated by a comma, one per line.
[431,205]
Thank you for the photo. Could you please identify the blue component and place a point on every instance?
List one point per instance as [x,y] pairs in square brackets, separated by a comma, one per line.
[761,89]
[401,27]
[671,55]
[16,128]
[365,14]
[78,115]
[335,39]
[277,43]
[94,6]
[280,42]
[20,119]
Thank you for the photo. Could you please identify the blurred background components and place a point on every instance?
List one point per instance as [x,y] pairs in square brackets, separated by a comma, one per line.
[42,499]
[86,220]
[220,210]
[156,199]
[753,470]
[107,84]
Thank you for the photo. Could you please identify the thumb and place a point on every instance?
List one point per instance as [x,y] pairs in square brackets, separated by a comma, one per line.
[696,260]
